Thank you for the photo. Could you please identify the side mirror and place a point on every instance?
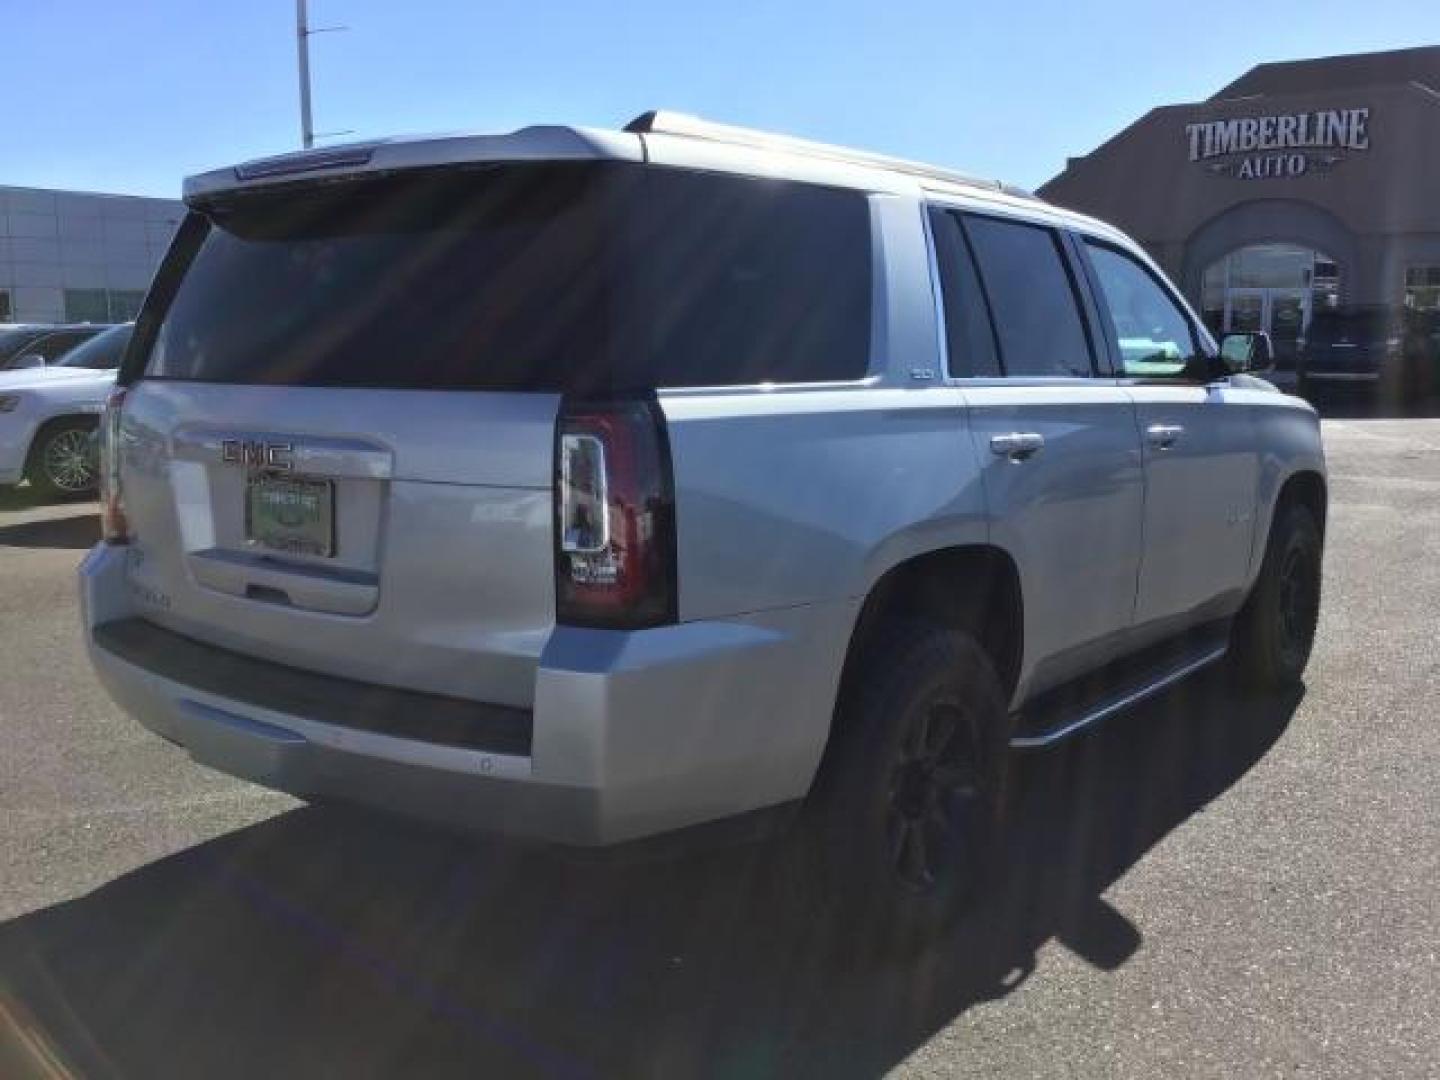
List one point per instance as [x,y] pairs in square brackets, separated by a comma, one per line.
[28,360]
[1248,351]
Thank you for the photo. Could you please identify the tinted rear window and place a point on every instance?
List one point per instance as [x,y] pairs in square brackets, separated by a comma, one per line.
[553,277]
[1032,298]
[969,335]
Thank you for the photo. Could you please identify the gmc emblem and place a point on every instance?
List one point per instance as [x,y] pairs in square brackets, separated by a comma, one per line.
[254,454]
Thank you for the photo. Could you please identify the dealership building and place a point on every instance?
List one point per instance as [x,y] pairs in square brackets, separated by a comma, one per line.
[1299,186]
[76,256]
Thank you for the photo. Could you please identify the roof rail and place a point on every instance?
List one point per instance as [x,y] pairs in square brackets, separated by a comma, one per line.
[664,122]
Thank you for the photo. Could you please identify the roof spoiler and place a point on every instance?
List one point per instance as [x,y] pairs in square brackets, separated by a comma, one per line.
[536,143]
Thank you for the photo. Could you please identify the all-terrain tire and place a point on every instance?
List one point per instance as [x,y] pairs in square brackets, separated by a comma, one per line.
[1275,630]
[903,823]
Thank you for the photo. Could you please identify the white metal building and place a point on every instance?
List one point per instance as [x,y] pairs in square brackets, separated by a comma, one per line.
[77,256]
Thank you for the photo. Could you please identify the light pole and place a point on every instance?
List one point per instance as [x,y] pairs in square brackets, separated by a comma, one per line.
[303,30]
[302,41]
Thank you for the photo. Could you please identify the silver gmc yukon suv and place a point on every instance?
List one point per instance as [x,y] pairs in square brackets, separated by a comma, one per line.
[582,486]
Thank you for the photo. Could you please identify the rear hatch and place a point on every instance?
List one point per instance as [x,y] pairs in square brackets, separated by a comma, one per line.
[338,452]
[337,448]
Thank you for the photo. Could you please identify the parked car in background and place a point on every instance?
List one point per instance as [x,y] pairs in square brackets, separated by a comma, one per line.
[1389,353]
[586,485]
[48,416]
[35,345]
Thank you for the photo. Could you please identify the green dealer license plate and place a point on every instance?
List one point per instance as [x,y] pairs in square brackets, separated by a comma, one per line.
[295,516]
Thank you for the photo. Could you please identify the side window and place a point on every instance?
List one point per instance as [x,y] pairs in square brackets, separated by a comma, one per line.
[969,336]
[1153,338]
[1031,297]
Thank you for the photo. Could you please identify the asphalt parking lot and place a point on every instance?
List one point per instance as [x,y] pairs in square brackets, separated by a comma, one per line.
[1212,885]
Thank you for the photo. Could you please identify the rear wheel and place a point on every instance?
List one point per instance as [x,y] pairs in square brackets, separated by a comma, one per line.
[1276,628]
[901,828]
[62,460]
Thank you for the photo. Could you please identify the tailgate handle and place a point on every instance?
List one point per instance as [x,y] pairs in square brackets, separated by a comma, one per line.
[329,590]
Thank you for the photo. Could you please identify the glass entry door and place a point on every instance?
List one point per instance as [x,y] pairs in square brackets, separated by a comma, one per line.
[1282,313]
[1245,310]
[1273,287]
[1286,321]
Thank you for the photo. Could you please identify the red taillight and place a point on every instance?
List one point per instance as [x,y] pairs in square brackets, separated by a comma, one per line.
[614,517]
[114,529]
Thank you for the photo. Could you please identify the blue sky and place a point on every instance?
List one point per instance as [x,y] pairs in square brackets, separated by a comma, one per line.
[131,95]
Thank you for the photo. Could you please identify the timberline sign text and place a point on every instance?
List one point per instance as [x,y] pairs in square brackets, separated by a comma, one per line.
[1285,144]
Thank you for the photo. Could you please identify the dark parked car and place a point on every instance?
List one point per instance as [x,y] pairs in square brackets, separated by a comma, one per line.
[21,343]
[1391,353]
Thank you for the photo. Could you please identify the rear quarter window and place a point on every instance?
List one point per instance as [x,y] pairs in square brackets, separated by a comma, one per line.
[748,281]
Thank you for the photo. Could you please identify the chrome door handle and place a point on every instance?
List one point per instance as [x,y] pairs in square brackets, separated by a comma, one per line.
[1017,445]
[1163,436]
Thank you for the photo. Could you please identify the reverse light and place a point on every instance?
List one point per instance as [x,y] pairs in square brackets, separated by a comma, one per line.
[114,528]
[614,516]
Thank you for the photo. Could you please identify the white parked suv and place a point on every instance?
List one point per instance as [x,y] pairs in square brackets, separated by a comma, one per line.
[586,485]
[48,415]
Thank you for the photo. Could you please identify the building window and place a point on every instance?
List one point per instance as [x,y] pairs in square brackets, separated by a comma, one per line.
[4,305]
[102,305]
[1422,288]
[125,304]
[86,305]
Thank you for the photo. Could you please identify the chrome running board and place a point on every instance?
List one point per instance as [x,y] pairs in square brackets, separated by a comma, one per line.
[1110,706]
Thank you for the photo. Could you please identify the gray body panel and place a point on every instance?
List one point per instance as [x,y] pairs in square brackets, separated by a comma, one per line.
[791,503]
[1069,514]
[801,496]
[1200,498]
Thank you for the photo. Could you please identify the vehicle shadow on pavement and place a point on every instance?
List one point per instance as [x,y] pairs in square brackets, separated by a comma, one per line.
[77,532]
[19,497]
[324,942]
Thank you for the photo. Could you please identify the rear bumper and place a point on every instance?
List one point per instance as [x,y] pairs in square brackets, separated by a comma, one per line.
[631,734]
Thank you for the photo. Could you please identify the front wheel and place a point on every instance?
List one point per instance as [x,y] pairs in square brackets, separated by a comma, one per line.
[1276,629]
[63,461]
[901,828]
